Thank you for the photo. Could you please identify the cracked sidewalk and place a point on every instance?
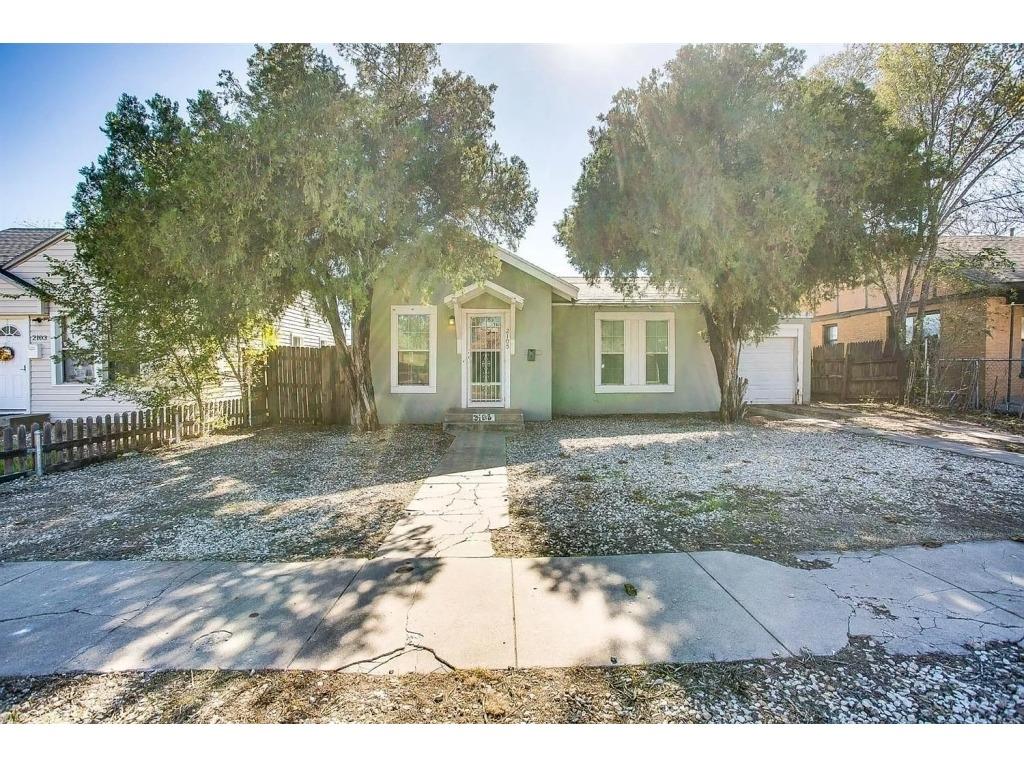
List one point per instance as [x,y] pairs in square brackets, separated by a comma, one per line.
[434,614]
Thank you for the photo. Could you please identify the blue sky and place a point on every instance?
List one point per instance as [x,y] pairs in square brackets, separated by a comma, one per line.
[55,98]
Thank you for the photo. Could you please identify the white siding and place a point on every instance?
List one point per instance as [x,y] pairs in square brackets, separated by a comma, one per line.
[37,265]
[301,319]
[63,401]
[59,400]
[17,300]
[69,400]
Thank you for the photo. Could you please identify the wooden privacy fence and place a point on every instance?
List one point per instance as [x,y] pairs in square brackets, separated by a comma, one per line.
[855,371]
[65,444]
[305,386]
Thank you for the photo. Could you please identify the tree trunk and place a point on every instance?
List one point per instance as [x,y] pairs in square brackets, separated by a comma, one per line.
[360,379]
[355,358]
[724,339]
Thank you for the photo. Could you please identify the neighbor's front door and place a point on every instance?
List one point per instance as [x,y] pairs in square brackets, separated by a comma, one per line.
[486,375]
[14,372]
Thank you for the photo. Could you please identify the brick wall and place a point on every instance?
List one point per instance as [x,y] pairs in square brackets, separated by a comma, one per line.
[866,326]
[971,327]
[998,346]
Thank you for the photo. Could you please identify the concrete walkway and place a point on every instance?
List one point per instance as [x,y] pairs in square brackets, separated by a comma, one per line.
[819,416]
[455,510]
[426,614]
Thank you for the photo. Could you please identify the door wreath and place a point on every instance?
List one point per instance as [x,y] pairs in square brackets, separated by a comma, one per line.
[6,354]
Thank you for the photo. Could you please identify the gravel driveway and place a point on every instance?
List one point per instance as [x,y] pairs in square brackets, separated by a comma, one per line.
[588,486]
[275,494]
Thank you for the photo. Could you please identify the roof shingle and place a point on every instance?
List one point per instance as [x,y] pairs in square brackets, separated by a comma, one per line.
[18,240]
[602,292]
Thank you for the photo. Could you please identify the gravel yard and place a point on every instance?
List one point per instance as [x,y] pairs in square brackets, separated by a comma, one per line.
[275,494]
[860,684]
[596,486]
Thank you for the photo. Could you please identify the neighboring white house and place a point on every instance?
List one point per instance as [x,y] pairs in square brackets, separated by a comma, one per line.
[32,380]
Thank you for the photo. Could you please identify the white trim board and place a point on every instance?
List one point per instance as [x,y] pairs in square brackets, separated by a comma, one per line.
[414,389]
[470,292]
[564,289]
[506,360]
[634,352]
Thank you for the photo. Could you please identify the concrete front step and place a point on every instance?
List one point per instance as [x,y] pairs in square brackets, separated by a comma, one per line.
[484,420]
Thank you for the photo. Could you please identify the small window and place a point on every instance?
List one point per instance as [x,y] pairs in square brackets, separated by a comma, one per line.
[413,349]
[296,340]
[830,335]
[9,330]
[67,369]
[635,352]
[931,326]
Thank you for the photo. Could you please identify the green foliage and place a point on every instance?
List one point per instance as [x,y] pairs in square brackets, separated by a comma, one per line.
[965,102]
[136,298]
[718,175]
[393,176]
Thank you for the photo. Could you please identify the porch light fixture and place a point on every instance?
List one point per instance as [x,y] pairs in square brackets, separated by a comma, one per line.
[451,320]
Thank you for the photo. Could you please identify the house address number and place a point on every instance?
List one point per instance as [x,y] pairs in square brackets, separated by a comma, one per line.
[483,417]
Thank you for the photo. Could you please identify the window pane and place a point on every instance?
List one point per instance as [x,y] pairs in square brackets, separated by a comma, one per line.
[78,373]
[613,369]
[613,337]
[930,326]
[414,332]
[75,371]
[657,369]
[657,337]
[414,368]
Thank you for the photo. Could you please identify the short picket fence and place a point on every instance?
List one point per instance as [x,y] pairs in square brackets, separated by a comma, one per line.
[70,443]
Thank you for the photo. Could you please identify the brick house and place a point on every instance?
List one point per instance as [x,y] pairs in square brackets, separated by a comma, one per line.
[985,323]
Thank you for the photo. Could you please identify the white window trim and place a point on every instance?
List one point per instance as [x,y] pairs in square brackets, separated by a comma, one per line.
[413,389]
[635,351]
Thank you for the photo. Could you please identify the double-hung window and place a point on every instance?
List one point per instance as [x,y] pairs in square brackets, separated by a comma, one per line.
[414,349]
[68,369]
[635,352]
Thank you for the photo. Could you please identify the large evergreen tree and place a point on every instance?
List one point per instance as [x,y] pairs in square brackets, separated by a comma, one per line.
[725,176]
[342,183]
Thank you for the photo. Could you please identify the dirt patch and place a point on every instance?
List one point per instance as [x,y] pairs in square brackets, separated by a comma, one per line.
[596,486]
[860,684]
[274,494]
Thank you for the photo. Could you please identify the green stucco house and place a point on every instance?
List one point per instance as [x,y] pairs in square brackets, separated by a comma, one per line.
[529,345]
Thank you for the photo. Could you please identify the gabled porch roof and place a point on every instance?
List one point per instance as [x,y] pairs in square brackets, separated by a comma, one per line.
[470,292]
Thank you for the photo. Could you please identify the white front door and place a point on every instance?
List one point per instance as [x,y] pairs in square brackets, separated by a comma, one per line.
[14,372]
[485,375]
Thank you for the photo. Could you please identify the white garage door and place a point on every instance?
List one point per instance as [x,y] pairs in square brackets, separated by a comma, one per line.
[770,367]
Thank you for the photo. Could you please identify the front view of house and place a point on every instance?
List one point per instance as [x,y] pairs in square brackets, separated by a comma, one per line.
[530,342]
